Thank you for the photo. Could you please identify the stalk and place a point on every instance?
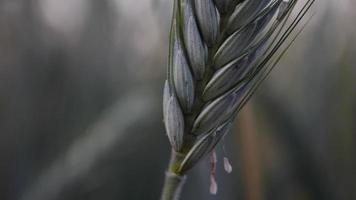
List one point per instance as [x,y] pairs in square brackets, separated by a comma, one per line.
[174,181]
[173,185]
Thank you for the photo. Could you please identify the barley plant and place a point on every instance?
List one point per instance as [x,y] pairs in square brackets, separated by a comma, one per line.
[220,52]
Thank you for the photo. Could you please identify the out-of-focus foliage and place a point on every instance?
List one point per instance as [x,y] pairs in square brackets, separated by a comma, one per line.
[80,107]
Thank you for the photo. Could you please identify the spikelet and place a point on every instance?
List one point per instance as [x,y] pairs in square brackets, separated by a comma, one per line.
[220,51]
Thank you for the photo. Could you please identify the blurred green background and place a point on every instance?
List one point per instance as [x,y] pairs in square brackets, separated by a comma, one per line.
[80,107]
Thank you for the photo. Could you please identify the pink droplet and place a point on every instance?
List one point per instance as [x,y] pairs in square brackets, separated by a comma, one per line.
[213,158]
[227,165]
[213,186]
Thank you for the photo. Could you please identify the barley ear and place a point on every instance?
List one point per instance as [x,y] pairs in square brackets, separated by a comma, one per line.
[220,51]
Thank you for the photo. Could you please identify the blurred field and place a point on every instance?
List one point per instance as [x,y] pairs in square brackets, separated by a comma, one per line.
[80,107]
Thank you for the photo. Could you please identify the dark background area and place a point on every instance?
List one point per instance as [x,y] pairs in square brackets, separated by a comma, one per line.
[80,107]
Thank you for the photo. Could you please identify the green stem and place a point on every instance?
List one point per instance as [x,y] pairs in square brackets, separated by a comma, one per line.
[172,186]
[174,181]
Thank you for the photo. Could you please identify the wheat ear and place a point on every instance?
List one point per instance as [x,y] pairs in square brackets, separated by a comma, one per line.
[220,51]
